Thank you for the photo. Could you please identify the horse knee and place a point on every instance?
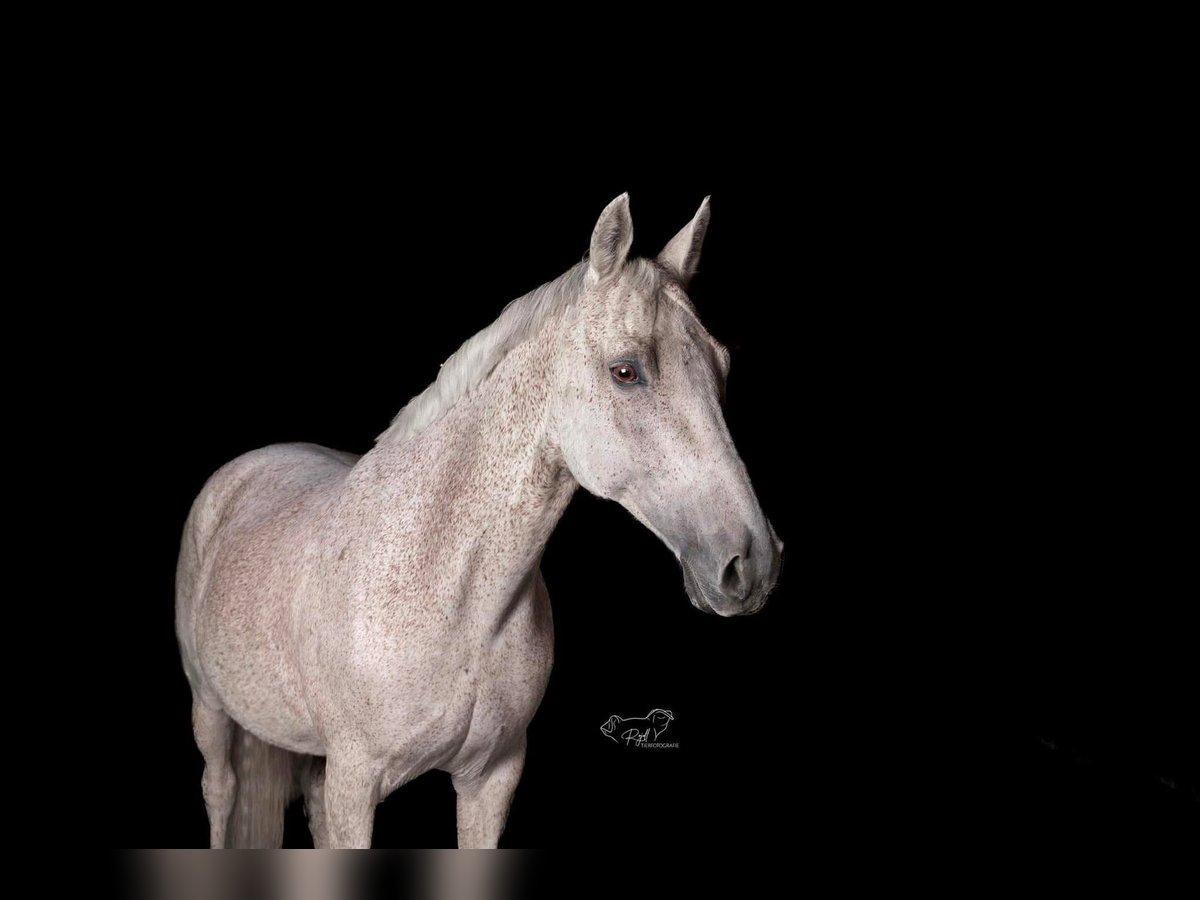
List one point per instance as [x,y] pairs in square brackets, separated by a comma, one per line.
[219,785]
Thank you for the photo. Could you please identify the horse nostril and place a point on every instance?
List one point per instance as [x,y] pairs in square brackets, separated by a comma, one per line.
[733,579]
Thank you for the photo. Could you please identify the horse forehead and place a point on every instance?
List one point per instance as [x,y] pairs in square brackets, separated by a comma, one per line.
[651,304]
[656,311]
[632,310]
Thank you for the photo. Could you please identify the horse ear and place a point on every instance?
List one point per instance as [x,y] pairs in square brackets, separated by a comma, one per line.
[611,239]
[682,253]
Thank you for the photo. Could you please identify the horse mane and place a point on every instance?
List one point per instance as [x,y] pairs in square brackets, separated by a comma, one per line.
[471,363]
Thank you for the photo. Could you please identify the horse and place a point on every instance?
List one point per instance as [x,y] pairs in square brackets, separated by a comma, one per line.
[347,623]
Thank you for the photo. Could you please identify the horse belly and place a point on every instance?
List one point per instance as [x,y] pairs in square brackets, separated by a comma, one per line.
[245,653]
[262,693]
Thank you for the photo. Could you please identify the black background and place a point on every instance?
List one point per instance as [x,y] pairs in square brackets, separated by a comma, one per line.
[957,405]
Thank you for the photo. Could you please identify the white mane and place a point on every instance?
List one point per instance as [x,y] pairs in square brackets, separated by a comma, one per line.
[479,355]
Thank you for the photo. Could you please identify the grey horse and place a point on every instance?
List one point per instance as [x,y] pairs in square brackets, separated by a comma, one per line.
[347,623]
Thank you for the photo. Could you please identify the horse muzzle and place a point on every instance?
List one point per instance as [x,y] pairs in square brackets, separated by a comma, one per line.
[735,581]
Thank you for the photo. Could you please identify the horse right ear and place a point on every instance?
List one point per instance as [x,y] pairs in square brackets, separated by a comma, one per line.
[611,240]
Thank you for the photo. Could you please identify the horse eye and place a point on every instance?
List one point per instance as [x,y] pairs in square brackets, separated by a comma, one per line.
[624,373]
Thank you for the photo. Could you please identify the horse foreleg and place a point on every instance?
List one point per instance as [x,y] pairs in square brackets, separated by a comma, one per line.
[213,730]
[351,791]
[484,799]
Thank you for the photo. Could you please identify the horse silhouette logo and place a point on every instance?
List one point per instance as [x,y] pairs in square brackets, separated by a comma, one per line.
[637,731]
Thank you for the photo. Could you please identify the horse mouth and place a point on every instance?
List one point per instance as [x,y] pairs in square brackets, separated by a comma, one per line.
[707,598]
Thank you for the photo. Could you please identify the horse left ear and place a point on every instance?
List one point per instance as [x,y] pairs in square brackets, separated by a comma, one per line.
[682,253]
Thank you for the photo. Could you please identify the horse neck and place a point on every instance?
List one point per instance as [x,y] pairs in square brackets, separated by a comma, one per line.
[492,466]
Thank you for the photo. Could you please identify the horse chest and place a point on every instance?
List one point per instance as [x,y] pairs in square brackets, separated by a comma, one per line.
[474,699]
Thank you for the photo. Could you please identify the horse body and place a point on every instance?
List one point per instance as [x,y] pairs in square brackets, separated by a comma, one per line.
[387,612]
[389,607]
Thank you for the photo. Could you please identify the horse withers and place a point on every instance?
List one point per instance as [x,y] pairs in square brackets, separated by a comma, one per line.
[347,623]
